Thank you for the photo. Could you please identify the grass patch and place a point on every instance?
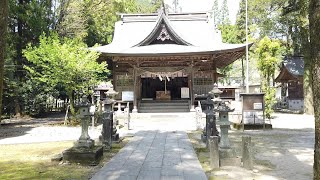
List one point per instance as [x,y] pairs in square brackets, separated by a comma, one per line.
[33,161]
[201,150]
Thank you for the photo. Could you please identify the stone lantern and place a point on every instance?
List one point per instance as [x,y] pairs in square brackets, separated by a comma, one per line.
[223,111]
[215,93]
[224,123]
[107,119]
[210,129]
[83,151]
[84,115]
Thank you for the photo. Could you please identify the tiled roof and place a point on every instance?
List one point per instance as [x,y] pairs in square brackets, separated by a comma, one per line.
[196,31]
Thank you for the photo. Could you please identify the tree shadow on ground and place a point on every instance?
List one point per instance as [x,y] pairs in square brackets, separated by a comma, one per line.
[9,131]
[285,153]
[16,127]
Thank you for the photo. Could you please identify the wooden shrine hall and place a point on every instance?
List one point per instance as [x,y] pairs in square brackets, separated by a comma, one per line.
[291,79]
[166,57]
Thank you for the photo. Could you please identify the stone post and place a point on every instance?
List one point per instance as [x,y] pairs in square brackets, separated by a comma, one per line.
[198,117]
[214,152]
[224,128]
[106,132]
[127,116]
[247,156]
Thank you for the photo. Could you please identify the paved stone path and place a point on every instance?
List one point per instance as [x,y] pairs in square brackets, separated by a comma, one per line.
[154,154]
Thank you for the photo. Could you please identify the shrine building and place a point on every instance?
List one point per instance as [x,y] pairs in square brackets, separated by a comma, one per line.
[291,79]
[167,58]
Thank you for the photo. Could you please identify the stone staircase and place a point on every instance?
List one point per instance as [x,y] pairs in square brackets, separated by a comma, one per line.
[157,106]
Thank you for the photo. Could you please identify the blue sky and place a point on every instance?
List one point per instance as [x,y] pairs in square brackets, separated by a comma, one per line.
[206,5]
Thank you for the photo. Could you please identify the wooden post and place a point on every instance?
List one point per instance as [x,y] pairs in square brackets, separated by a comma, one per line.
[191,88]
[242,121]
[214,152]
[214,70]
[247,157]
[114,75]
[135,99]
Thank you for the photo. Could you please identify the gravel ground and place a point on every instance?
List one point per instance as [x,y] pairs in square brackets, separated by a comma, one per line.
[285,152]
[35,130]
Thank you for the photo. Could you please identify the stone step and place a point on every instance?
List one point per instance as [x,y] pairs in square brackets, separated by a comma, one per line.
[164,106]
[162,110]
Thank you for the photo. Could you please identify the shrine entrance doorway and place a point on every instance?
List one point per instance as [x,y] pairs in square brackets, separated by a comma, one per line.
[163,89]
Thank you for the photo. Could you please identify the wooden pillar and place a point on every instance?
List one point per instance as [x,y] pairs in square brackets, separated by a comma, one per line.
[214,71]
[191,85]
[135,90]
[114,78]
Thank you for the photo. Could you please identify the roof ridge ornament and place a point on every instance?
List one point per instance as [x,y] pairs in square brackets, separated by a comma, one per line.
[163,20]
[164,35]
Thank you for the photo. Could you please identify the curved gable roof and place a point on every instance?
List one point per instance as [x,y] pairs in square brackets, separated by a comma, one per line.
[163,20]
[292,69]
[190,33]
[295,65]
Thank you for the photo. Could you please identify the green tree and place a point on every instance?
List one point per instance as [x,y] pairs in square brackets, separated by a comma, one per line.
[314,19]
[27,20]
[216,12]
[224,14]
[72,19]
[241,22]
[147,6]
[102,16]
[295,19]
[68,63]
[229,35]
[3,36]
[268,52]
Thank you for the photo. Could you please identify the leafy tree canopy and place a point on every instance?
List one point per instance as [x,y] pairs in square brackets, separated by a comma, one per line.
[68,63]
[268,56]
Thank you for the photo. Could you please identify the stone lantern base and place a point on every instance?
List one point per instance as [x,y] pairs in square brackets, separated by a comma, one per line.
[83,155]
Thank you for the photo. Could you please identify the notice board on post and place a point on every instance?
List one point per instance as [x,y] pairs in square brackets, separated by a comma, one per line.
[127,96]
[184,92]
[253,108]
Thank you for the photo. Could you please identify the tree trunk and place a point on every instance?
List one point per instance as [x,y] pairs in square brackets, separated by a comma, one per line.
[71,101]
[307,91]
[3,36]
[18,62]
[314,19]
